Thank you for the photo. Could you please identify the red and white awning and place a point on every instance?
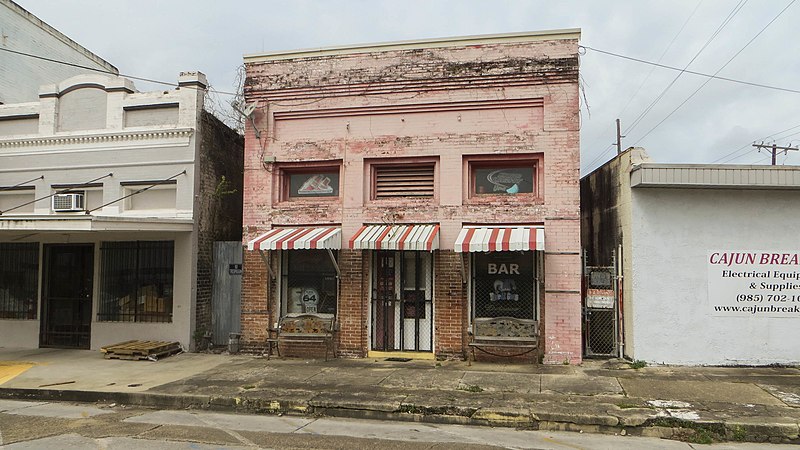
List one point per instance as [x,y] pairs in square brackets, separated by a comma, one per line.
[500,239]
[298,238]
[396,237]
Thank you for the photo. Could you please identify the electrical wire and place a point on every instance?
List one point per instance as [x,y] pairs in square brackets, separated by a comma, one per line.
[713,77]
[715,73]
[666,89]
[652,69]
[95,69]
[773,135]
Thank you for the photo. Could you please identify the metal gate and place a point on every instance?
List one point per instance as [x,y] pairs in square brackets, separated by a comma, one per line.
[402,302]
[601,334]
[226,308]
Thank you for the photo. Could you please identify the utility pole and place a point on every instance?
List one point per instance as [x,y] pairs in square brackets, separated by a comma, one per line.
[619,139]
[773,148]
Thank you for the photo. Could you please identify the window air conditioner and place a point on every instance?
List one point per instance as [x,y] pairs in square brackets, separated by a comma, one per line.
[68,202]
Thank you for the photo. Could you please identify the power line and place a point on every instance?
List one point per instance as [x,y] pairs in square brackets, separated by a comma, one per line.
[652,69]
[666,89]
[718,71]
[748,145]
[714,77]
[95,69]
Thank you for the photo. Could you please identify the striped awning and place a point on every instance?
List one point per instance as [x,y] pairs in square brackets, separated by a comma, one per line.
[500,239]
[396,237]
[298,238]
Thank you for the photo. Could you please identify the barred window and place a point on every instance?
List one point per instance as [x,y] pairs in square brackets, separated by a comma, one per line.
[136,281]
[19,272]
[309,280]
[503,285]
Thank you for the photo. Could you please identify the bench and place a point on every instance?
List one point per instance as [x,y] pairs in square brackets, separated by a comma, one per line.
[302,328]
[504,332]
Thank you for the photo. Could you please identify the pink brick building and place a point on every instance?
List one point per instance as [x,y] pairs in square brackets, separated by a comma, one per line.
[412,188]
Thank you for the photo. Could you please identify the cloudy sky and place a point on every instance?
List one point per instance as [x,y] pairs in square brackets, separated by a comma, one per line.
[661,110]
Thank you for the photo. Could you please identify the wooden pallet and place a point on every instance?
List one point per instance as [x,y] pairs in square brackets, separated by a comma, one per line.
[141,350]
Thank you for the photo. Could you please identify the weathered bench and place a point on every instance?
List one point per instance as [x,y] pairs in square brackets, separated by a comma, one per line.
[302,328]
[506,333]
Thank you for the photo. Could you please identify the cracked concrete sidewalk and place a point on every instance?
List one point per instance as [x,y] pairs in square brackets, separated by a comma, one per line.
[700,404]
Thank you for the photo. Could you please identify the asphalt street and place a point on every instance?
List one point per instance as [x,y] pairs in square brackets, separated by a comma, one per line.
[46,425]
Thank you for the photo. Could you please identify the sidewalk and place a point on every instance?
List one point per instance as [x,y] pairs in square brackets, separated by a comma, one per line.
[697,404]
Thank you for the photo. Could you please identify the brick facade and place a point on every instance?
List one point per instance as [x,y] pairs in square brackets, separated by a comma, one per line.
[456,103]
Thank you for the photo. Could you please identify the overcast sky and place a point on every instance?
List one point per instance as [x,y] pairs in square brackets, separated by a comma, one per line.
[159,39]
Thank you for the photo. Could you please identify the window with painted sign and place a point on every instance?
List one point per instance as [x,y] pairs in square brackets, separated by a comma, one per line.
[309,281]
[503,180]
[503,285]
[313,184]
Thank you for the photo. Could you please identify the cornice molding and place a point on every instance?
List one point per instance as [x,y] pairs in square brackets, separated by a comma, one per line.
[123,136]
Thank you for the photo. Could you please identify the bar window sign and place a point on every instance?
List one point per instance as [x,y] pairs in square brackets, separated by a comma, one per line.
[325,184]
[503,180]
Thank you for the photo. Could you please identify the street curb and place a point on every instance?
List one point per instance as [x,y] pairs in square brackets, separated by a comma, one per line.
[520,418]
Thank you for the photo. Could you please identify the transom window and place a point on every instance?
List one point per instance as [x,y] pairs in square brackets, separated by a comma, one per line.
[136,281]
[323,183]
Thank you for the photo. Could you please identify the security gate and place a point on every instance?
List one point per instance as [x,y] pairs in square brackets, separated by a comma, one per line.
[402,301]
[601,335]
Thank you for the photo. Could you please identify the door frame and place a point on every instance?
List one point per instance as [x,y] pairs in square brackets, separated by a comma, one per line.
[45,286]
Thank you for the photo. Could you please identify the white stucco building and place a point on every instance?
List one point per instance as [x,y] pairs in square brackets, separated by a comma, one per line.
[23,34]
[709,258]
[110,200]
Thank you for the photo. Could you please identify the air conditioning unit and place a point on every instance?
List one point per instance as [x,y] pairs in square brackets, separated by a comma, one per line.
[68,202]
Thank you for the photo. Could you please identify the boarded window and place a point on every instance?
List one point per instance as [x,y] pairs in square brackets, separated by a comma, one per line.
[136,281]
[404,181]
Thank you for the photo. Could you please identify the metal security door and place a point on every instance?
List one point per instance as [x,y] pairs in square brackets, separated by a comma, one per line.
[600,311]
[383,301]
[67,296]
[226,291]
[402,302]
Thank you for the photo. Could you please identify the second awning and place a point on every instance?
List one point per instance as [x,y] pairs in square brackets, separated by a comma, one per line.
[396,237]
[298,238]
[499,239]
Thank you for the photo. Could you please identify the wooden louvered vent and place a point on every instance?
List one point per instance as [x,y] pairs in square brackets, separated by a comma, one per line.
[404,181]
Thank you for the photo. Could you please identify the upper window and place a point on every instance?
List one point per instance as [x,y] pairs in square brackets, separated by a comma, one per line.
[308,180]
[313,184]
[503,180]
[19,272]
[503,177]
[136,281]
[403,180]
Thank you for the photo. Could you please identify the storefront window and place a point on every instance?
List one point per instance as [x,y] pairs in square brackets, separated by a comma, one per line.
[309,280]
[503,285]
[136,281]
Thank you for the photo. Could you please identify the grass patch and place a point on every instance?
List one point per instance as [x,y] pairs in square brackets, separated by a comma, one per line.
[638,364]
[470,388]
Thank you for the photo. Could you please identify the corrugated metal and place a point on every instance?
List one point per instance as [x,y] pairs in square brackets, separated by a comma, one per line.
[716,176]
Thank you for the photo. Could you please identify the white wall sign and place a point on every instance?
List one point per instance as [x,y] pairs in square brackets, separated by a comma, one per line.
[754,283]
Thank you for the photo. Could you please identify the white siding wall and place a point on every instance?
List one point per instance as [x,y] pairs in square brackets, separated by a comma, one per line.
[672,233]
